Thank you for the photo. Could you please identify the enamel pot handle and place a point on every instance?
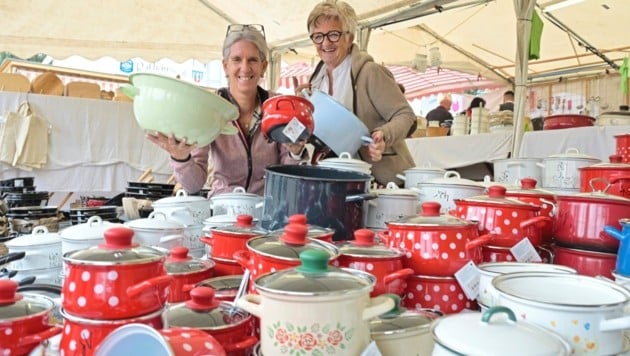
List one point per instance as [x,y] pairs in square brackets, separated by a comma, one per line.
[241,345]
[251,304]
[542,220]
[400,274]
[401,177]
[478,242]
[242,257]
[159,282]
[208,240]
[383,236]
[615,324]
[40,336]
[378,305]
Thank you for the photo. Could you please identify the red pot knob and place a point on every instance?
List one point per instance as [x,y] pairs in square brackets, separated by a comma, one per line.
[295,234]
[363,237]
[528,183]
[8,289]
[244,220]
[496,191]
[202,298]
[179,254]
[117,238]
[615,159]
[431,208]
[297,219]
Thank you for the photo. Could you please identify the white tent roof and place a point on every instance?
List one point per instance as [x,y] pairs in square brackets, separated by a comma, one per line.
[485,30]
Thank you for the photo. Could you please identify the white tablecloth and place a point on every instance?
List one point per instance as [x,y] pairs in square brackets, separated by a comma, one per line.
[94,145]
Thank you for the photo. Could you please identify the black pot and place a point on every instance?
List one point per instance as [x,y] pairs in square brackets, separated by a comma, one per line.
[328,197]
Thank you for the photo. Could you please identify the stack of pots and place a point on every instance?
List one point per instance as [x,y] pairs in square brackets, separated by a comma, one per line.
[108,286]
[581,241]
[561,172]
[157,231]
[435,246]
[42,257]
[224,241]
[447,189]
[236,203]
[506,220]
[186,272]
[511,170]
[189,211]
[391,203]
[416,175]
[612,177]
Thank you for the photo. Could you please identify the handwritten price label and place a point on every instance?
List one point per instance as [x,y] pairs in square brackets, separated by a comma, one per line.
[468,278]
[524,251]
[294,129]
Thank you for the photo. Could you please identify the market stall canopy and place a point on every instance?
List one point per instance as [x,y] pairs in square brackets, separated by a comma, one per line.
[474,36]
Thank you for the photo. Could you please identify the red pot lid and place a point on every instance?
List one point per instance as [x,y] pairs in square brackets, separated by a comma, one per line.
[289,244]
[616,162]
[244,225]
[224,286]
[595,197]
[204,311]
[15,306]
[117,249]
[364,245]
[528,188]
[430,217]
[179,262]
[313,232]
[496,197]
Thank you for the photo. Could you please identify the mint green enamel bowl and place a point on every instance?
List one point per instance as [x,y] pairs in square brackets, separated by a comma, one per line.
[172,106]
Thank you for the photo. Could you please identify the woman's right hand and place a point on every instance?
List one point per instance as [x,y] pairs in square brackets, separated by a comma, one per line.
[299,88]
[179,150]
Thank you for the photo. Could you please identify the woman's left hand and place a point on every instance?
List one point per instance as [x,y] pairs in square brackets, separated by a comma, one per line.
[376,148]
[295,148]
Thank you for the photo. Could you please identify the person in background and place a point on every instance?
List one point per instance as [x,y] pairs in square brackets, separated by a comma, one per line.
[363,86]
[238,160]
[476,102]
[441,113]
[508,101]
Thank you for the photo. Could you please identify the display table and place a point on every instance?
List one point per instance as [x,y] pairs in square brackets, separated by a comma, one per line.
[94,145]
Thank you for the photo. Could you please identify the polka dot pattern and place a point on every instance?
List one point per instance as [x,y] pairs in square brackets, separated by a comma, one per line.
[440,294]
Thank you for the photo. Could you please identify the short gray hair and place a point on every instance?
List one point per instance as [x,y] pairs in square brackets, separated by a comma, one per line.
[331,9]
[247,34]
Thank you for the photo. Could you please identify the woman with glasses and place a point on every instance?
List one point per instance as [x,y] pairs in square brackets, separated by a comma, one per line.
[237,160]
[363,86]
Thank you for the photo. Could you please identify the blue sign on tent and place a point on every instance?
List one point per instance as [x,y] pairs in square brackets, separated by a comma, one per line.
[126,67]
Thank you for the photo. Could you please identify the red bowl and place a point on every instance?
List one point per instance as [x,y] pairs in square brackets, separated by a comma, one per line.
[566,121]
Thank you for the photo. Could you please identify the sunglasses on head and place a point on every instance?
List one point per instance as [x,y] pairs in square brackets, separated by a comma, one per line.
[242,28]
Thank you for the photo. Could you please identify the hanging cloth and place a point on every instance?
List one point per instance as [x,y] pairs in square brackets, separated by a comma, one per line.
[623,70]
[536,35]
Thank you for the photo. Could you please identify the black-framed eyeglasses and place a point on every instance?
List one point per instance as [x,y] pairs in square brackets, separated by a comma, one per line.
[244,27]
[333,36]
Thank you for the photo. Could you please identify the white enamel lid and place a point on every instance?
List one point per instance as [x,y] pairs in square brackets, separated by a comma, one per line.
[39,236]
[573,153]
[91,230]
[391,189]
[452,178]
[156,220]
[180,197]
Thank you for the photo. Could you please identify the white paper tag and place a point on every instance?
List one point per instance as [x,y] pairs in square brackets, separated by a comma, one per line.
[371,350]
[524,251]
[468,278]
[294,129]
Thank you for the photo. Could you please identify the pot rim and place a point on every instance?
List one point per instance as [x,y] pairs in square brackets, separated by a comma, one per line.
[334,295]
[552,268]
[48,310]
[100,322]
[490,204]
[143,261]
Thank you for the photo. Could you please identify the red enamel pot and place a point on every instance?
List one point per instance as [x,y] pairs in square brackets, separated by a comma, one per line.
[443,294]
[314,231]
[581,218]
[508,220]
[566,121]
[386,264]
[186,272]
[503,254]
[434,244]
[282,110]
[588,263]
[225,287]
[225,240]
[81,336]
[23,319]
[623,147]
[115,280]
[231,326]
[273,252]
[613,177]
[546,200]
[226,267]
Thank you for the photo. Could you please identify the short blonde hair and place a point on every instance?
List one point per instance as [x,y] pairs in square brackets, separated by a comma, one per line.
[331,9]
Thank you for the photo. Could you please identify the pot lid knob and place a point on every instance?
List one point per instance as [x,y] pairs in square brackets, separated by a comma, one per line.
[244,220]
[179,254]
[431,208]
[295,234]
[8,289]
[363,237]
[298,219]
[202,298]
[496,191]
[528,183]
[313,262]
[117,238]
[397,310]
[615,159]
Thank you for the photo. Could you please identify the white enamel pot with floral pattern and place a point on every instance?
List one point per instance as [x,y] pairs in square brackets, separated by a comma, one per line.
[315,309]
[185,209]
[237,202]
[445,190]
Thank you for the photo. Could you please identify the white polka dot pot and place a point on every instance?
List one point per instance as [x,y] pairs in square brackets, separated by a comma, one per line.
[508,220]
[443,294]
[23,319]
[545,199]
[140,339]
[81,336]
[434,244]
[115,280]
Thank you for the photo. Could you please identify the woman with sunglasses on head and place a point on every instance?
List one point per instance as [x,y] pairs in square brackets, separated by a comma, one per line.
[238,160]
[366,88]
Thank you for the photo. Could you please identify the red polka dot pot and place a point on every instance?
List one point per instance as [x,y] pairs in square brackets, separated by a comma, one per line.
[225,287]
[226,267]
[434,244]
[115,280]
[82,336]
[386,264]
[623,147]
[274,252]
[443,294]
[186,272]
[546,200]
[508,220]
[503,254]
[314,231]
[140,339]
[23,319]
[225,240]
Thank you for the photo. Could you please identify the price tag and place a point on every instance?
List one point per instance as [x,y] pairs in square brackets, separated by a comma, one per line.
[293,130]
[524,251]
[468,278]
